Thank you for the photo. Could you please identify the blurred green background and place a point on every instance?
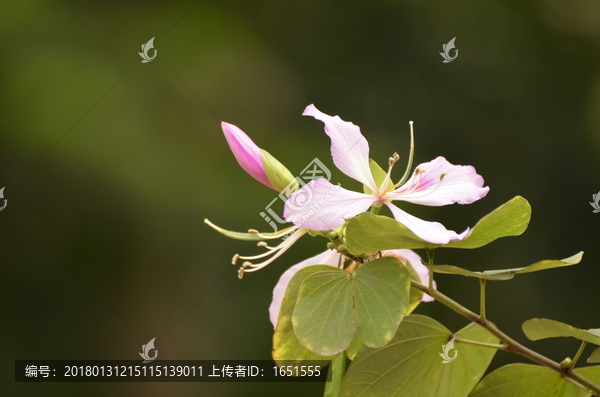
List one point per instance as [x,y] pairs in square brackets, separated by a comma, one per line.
[110,165]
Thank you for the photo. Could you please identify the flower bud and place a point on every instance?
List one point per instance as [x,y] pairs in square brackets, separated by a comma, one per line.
[566,363]
[260,164]
[279,176]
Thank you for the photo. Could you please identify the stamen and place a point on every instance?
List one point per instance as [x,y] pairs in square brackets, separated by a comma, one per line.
[264,254]
[276,252]
[419,173]
[437,186]
[391,161]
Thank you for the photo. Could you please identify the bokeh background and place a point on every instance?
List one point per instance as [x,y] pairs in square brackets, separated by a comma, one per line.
[110,165]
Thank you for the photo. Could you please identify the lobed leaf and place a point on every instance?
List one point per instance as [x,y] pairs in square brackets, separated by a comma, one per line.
[542,328]
[528,380]
[371,233]
[354,347]
[286,346]
[595,357]
[507,274]
[333,304]
[410,366]
[510,219]
[323,318]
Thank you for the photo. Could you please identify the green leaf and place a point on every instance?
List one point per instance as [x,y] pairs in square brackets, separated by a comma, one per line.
[337,369]
[286,346]
[527,380]
[595,357]
[410,365]
[415,294]
[248,236]
[507,274]
[354,347]
[379,175]
[510,219]
[542,328]
[381,291]
[323,318]
[370,233]
[592,373]
[333,304]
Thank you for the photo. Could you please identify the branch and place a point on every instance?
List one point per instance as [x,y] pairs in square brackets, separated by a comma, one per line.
[511,344]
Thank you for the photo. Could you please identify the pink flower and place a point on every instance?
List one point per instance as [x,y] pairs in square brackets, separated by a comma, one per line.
[435,183]
[333,258]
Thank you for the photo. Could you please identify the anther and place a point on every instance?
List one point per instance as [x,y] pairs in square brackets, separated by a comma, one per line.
[261,244]
[235,259]
[253,231]
[442,176]
[241,273]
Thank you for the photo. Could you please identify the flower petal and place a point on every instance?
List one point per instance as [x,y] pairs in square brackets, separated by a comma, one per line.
[434,232]
[320,205]
[461,184]
[349,148]
[417,264]
[247,154]
[329,257]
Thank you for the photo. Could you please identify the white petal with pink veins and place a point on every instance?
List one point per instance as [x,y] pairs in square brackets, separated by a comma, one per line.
[434,232]
[439,182]
[349,148]
[320,205]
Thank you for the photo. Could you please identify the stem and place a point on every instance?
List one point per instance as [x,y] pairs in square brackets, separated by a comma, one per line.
[482,299]
[577,355]
[337,369]
[477,343]
[430,257]
[511,344]
[375,208]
